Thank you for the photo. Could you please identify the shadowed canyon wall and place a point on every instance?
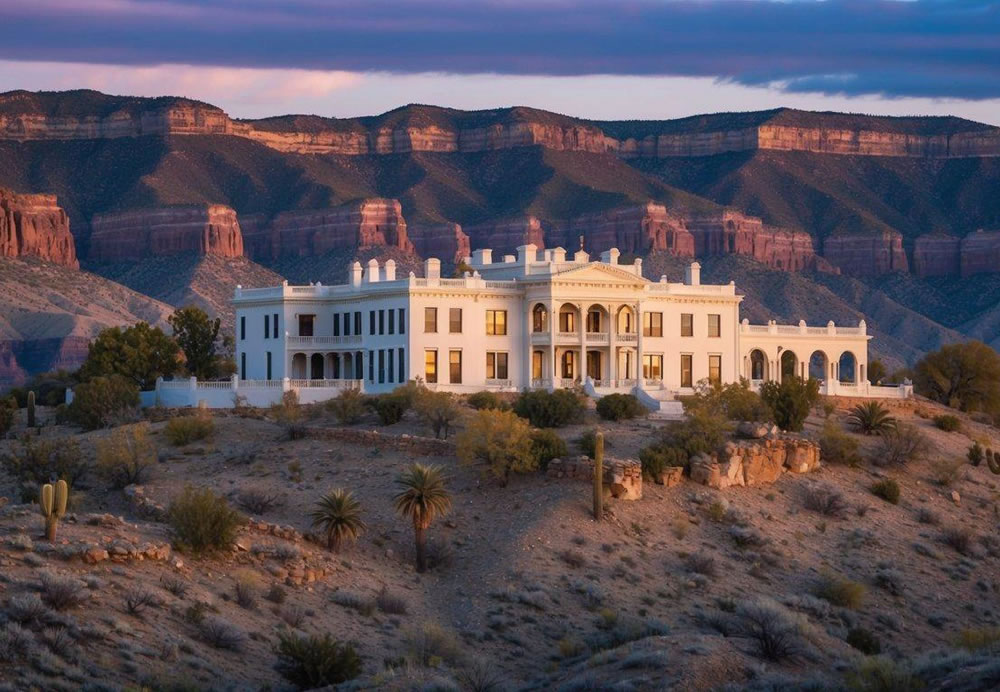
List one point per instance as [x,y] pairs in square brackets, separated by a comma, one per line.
[140,233]
[35,226]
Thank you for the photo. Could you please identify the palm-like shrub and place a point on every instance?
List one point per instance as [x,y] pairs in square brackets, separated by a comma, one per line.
[311,661]
[338,513]
[871,418]
[423,497]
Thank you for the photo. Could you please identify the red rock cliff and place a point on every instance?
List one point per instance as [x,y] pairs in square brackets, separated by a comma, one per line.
[34,225]
[446,241]
[734,233]
[936,254]
[362,224]
[503,237]
[866,255]
[132,235]
[637,229]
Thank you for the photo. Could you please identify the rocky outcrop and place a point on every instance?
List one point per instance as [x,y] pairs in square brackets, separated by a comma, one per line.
[732,233]
[637,229]
[362,224]
[141,233]
[622,477]
[503,237]
[56,116]
[35,226]
[936,254]
[755,462]
[257,236]
[866,255]
[980,252]
[446,241]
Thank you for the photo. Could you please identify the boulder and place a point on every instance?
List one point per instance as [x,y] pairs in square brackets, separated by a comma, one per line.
[750,430]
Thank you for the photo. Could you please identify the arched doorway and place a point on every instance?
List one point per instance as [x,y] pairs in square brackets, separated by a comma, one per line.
[569,319]
[594,365]
[316,367]
[299,363]
[567,365]
[597,320]
[789,364]
[539,319]
[758,365]
[819,366]
[626,320]
[847,368]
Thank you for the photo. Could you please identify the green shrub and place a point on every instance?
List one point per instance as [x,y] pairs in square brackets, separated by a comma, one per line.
[841,591]
[864,641]
[702,432]
[871,418]
[348,407]
[40,461]
[837,446]
[311,661]
[657,458]
[499,439]
[619,407]
[947,422]
[201,521]
[184,430]
[979,638]
[550,409]
[101,401]
[390,407]
[887,489]
[587,442]
[975,454]
[734,401]
[547,445]
[127,455]
[790,400]
[487,400]
[881,674]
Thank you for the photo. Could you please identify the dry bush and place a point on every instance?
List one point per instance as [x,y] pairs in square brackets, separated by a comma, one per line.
[429,642]
[184,430]
[292,615]
[16,643]
[825,499]
[837,446]
[348,407]
[770,628]
[63,593]
[927,516]
[700,563]
[258,501]
[137,598]
[247,588]
[841,591]
[349,599]
[27,608]
[221,633]
[201,521]
[979,638]
[276,594]
[946,472]
[390,604]
[126,456]
[959,538]
[890,579]
[887,489]
[174,585]
[900,445]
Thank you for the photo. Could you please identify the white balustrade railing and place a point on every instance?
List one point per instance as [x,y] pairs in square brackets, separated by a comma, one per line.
[495,382]
[333,384]
[627,338]
[597,337]
[323,340]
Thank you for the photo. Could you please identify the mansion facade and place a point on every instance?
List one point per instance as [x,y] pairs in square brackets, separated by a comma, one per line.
[537,319]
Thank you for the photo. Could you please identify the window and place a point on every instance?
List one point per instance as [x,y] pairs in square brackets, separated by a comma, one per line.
[594,321]
[625,322]
[268,365]
[715,369]
[402,322]
[381,366]
[652,366]
[455,367]
[430,320]
[567,321]
[347,324]
[336,325]
[715,325]
[392,325]
[538,319]
[275,325]
[306,325]
[496,365]
[686,377]
[455,320]
[687,324]
[496,323]
[357,323]
[402,367]
[568,365]
[243,328]
[267,326]
[381,322]
[652,324]
[359,364]
[430,366]
[537,358]
[243,366]
[391,369]
[371,322]
[371,366]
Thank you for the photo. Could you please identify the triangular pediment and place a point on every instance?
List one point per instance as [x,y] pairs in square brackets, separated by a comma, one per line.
[599,272]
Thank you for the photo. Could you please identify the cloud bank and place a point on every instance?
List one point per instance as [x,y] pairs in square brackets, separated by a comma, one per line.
[924,48]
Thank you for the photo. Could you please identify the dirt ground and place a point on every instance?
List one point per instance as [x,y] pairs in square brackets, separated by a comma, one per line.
[529,587]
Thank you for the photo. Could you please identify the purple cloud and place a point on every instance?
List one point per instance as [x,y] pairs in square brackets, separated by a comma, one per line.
[930,48]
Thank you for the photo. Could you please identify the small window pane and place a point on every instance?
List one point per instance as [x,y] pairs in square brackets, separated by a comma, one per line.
[715,325]
[686,379]
[430,366]
[455,367]
[687,324]
[455,320]
[430,320]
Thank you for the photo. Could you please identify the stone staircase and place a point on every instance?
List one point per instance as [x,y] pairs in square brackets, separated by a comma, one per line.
[661,402]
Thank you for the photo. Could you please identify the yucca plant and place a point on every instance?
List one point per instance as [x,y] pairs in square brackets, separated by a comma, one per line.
[422,499]
[871,418]
[338,513]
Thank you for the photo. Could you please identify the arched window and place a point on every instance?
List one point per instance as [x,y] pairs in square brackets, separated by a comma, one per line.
[538,319]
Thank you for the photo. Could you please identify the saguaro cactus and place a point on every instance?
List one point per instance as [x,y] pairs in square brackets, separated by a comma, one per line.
[599,477]
[52,501]
[31,409]
[993,461]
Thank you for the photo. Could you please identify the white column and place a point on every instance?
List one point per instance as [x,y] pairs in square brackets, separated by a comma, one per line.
[612,344]
[553,326]
[638,347]
[528,331]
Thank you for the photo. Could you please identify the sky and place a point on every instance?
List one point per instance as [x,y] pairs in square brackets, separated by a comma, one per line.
[601,59]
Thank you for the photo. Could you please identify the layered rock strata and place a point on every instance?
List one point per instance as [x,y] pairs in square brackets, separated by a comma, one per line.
[504,236]
[936,255]
[362,224]
[35,226]
[732,233]
[637,229]
[980,252]
[137,234]
[867,255]
[446,241]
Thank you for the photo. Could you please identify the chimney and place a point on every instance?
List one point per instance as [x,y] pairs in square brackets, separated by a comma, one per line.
[692,275]
[356,274]
[432,268]
[390,270]
[610,256]
[373,271]
[509,259]
[581,256]
[482,256]
[526,254]
[558,255]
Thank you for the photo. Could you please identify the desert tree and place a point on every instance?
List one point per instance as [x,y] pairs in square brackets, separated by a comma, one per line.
[423,498]
[197,335]
[139,353]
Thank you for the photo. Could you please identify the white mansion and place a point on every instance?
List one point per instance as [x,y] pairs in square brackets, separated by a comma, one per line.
[540,319]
